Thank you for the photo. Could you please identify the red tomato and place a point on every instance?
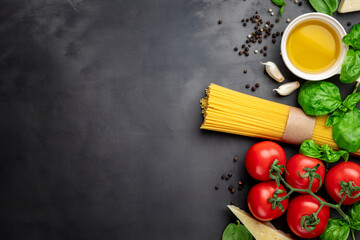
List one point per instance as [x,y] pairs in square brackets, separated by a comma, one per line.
[258,201]
[296,165]
[345,171]
[305,205]
[260,157]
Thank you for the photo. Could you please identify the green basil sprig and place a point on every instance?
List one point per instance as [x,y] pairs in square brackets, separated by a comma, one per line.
[319,98]
[324,152]
[337,228]
[325,6]
[353,37]
[348,104]
[354,214]
[280,3]
[350,69]
[346,133]
[236,232]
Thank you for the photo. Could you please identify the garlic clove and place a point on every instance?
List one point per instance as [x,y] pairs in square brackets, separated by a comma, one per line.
[273,71]
[287,88]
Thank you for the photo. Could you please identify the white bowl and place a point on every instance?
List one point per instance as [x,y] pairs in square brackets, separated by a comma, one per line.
[340,31]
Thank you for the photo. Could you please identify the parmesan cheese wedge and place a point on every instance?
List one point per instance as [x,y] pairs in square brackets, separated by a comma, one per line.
[259,230]
[349,6]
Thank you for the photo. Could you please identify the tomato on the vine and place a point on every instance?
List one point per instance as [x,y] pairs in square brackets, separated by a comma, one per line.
[260,156]
[295,166]
[303,205]
[258,201]
[345,171]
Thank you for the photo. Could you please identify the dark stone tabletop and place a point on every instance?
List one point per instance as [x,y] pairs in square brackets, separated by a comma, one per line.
[100,115]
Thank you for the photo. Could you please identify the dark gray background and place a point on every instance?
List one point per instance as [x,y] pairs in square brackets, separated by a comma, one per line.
[100,115]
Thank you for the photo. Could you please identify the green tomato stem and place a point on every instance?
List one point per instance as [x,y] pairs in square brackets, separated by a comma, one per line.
[322,203]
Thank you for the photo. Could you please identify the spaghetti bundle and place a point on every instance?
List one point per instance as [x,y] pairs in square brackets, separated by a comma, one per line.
[233,112]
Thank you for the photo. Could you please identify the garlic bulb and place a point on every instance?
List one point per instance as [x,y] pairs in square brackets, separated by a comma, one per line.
[273,71]
[287,88]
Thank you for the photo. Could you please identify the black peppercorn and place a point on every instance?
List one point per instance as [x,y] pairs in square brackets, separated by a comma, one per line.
[243,46]
[257,85]
[349,23]
[265,47]
[240,53]
[219,22]
[246,54]
[244,24]
[253,89]
[265,54]
[261,50]
[245,71]
[223,177]
[300,3]
[217,186]
[247,85]
[235,159]
[274,40]
[260,41]
[246,49]
[272,25]
[277,20]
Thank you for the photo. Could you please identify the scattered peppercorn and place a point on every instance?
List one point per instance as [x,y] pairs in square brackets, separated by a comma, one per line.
[246,54]
[235,159]
[240,182]
[246,49]
[217,186]
[274,40]
[257,85]
[243,46]
[253,89]
[272,13]
[230,174]
[288,20]
[247,85]
[247,20]
[260,41]
[232,190]
[261,50]
[277,20]
[240,53]
[223,176]
[232,203]
[300,3]
[244,24]
[265,54]
[219,22]
[349,23]
[265,47]
[249,45]
[242,20]
[235,49]
[272,25]
[227,178]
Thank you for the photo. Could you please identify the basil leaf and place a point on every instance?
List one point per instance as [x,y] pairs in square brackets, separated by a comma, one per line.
[337,229]
[350,69]
[353,37]
[319,98]
[282,10]
[324,152]
[236,232]
[354,214]
[280,3]
[351,100]
[335,117]
[325,6]
[346,133]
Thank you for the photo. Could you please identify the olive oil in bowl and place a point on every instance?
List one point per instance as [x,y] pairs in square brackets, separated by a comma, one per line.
[313,46]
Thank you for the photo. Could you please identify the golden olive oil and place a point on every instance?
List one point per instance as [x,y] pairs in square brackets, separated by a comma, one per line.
[313,46]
